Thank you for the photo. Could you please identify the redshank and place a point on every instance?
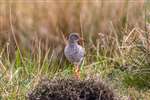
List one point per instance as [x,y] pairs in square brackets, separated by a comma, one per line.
[74,52]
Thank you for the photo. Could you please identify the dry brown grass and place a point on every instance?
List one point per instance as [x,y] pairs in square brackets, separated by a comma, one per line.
[46,21]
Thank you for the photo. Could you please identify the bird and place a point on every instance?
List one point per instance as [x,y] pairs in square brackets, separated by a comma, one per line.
[74,52]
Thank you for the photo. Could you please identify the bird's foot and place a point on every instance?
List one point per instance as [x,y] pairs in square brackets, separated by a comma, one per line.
[77,73]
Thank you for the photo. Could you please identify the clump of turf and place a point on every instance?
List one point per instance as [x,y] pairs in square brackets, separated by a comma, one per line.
[71,89]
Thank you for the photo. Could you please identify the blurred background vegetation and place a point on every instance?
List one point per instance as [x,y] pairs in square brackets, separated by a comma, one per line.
[116,34]
[31,22]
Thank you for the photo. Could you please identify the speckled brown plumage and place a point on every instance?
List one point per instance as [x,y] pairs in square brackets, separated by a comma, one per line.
[74,52]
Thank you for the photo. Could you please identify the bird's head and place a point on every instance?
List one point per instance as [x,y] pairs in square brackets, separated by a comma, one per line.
[74,37]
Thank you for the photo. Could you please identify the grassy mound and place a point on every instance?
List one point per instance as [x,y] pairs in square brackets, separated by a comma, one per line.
[71,89]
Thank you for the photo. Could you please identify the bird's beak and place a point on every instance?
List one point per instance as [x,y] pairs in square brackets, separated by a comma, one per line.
[81,39]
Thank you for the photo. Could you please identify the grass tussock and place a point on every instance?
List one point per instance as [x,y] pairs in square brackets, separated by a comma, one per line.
[71,89]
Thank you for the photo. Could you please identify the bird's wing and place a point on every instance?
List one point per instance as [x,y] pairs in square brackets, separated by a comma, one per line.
[81,51]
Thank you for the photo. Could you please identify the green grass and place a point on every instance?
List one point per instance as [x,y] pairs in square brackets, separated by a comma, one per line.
[22,74]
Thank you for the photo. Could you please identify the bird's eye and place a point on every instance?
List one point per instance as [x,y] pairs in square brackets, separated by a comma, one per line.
[74,37]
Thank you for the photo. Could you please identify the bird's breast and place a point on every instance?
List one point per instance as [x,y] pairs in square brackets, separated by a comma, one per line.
[72,53]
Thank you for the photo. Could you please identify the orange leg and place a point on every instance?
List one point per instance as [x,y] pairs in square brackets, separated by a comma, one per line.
[77,72]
